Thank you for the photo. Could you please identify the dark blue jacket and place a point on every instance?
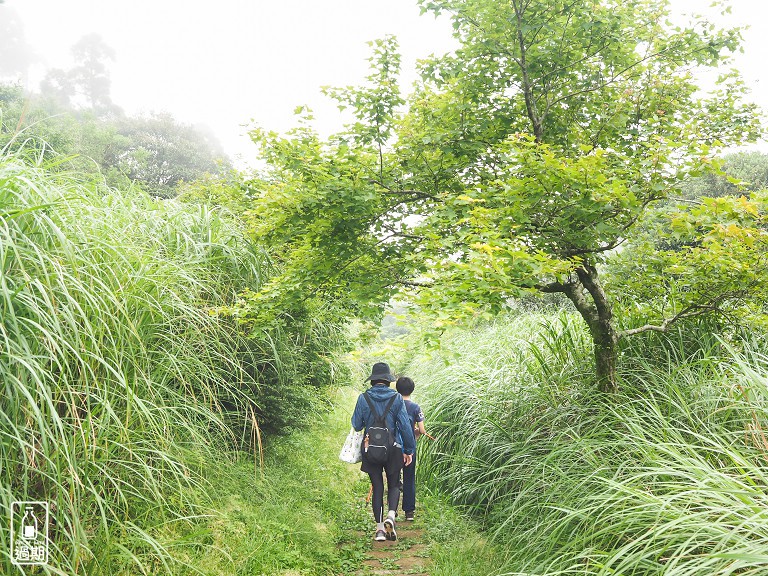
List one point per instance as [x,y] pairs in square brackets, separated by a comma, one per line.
[397,417]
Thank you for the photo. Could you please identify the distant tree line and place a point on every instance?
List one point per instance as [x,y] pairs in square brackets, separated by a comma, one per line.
[73,115]
[741,173]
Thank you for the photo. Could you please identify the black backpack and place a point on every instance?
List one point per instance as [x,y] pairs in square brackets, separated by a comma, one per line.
[378,435]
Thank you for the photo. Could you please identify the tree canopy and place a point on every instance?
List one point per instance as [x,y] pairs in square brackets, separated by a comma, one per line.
[521,162]
[88,83]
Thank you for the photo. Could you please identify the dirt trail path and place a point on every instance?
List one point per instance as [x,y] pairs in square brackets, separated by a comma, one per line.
[408,555]
[439,542]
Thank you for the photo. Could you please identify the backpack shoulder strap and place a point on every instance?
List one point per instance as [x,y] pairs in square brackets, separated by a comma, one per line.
[371,406]
[376,416]
[389,404]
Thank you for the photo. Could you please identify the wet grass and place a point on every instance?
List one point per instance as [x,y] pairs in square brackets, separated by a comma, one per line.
[667,477]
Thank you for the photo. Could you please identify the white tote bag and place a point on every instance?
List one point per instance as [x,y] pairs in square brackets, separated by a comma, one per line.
[351,452]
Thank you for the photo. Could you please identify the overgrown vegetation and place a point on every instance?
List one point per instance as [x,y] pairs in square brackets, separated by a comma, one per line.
[667,477]
[305,512]
[154,151]
[155,355]
[122,378]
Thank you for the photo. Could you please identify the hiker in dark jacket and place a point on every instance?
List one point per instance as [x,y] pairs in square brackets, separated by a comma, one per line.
[405,387]
[399,455]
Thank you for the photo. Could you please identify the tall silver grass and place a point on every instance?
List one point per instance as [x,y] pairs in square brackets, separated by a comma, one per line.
[112,364]
[669,477]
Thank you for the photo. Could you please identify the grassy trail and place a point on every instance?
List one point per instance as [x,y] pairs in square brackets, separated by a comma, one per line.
[307,515]
[438,542]
[409,555]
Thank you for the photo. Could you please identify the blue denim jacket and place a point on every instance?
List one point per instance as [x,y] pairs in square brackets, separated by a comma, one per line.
[397,418]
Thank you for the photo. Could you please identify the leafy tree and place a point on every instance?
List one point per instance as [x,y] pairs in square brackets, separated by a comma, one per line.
[160,153]
[87,84]
[523,161]
[740,172]
[91,75]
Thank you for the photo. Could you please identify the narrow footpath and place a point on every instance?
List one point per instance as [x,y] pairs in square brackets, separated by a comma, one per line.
[409,555]
[439,542]
[304,513]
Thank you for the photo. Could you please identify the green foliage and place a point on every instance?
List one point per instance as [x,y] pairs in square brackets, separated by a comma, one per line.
[74,116]
[375,105]
[302,340]
[160,153]
[229,191]
[668,476]
[155,152]
[120,381]
[613,122]
[514,236]
[739,173]
[303,345]
[710,256]
[289,516]
[522,160]
[35,129]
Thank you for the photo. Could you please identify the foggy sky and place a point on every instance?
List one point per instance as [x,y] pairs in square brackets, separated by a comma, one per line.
[231,62]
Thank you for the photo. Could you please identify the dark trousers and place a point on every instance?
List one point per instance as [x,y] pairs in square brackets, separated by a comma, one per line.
[376,473]
[409,486]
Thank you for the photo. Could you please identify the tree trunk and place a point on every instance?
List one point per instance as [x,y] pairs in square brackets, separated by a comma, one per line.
[587,294]
[605,363]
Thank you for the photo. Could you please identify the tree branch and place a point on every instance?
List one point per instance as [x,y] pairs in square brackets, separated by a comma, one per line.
[413,283]
[551,288]
[713,305]
[398,234]
[416,194]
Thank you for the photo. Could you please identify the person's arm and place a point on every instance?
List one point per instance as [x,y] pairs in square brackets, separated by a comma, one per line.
[418,423]
[404,423]
[358,416]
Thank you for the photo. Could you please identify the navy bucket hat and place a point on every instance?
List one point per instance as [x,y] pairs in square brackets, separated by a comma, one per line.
[381,372]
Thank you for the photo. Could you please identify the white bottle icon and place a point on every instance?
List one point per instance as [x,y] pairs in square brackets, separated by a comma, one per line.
[29,524]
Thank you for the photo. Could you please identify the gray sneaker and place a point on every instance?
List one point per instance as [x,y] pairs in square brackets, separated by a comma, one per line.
[389,526]
[380,536]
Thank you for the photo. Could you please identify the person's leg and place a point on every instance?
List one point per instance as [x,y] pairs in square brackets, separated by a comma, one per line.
[377,502]
[409,486]
[377,498]
[393,481]
[394,466]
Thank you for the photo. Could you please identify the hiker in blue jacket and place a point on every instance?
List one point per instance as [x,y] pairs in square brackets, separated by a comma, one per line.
[399,455]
